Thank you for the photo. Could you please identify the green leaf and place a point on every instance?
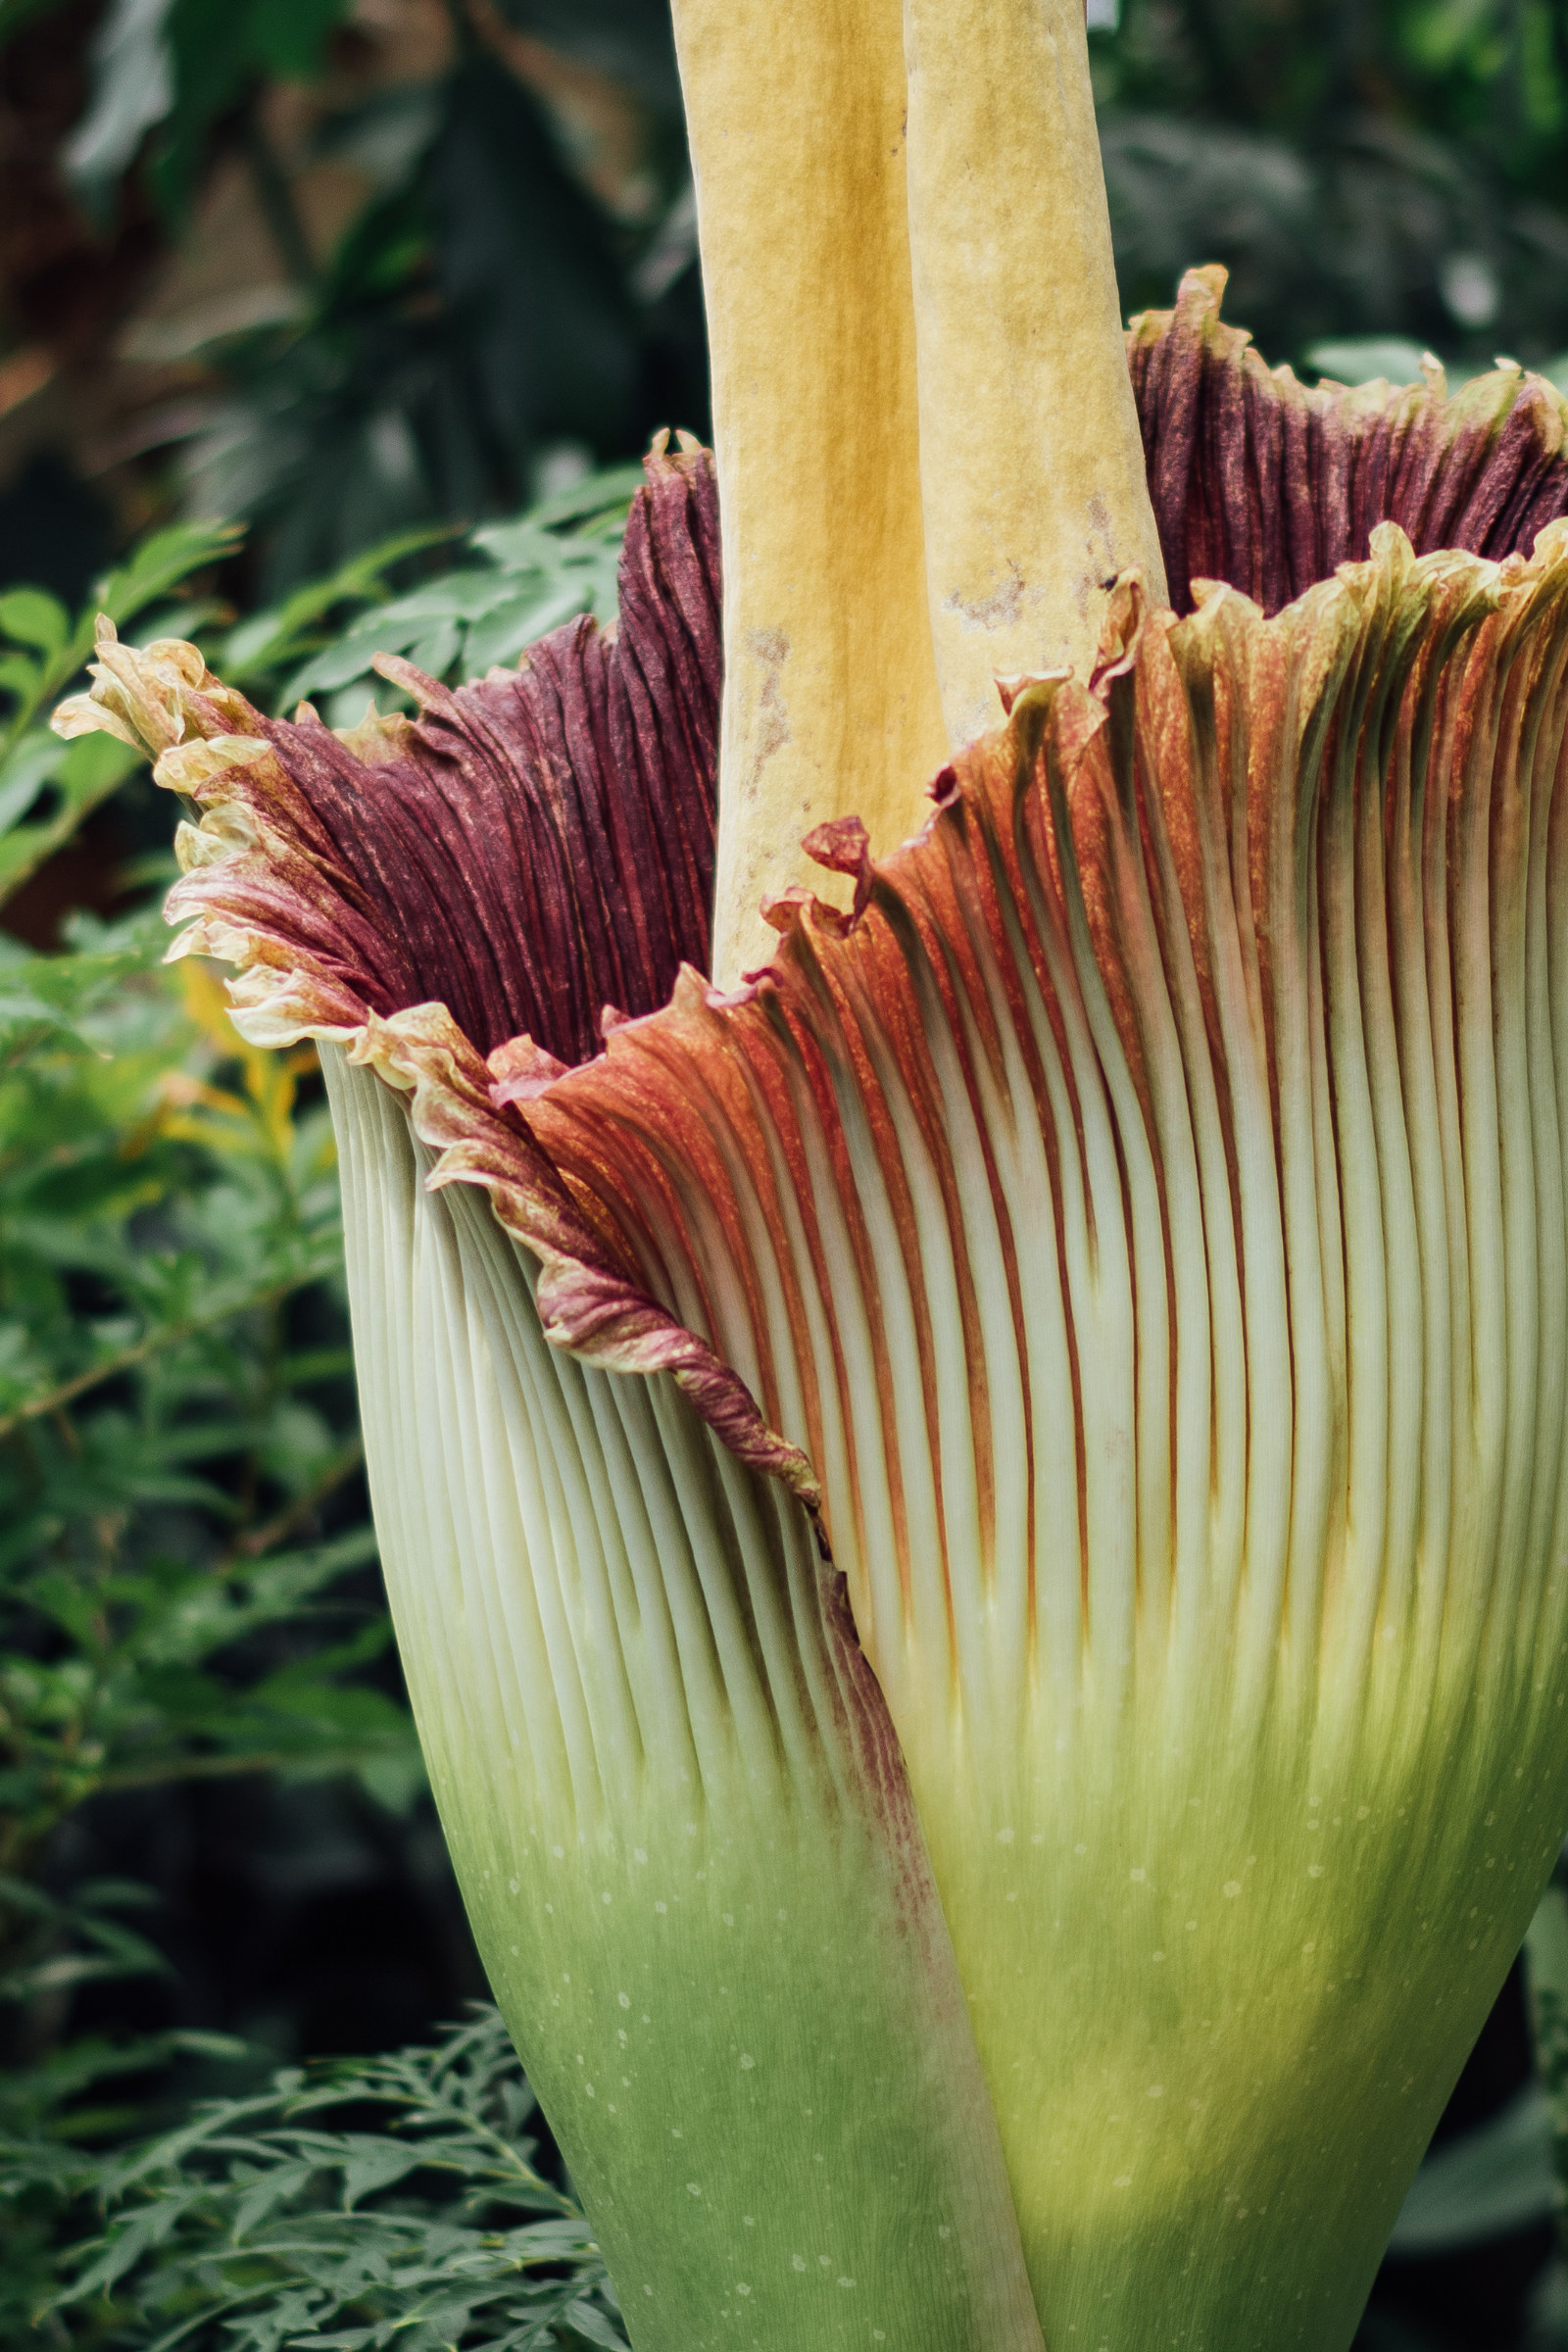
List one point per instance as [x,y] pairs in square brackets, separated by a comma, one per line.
[596,494]
[267,639]
[20,677]
[132,88]
[88,771]
[288,37]
[161,562]
[1496,2180]
[23,772]
[34,618]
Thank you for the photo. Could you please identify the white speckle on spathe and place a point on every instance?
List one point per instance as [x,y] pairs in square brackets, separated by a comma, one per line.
[691,2190]
[1137,1877]
[551,1908]
[637,1854]
[624,1998]
[1314,1870]
[1122,2180]
[797,2261]
[1362,1811]
[1080,1849]
[740,2287]
[1157,1955]
[1191,1925]
[783,1915]
[1003,1837]
[513,1951]
[559,1852]
[1308,1947]
[605,1897]
[749,2220]
[512,1886]
[728,1917]
[747,2060]
[943,2231]
[662,1908]
[1232,1887]
[826,2260]
[1156,2091]
[845,2282]
[589,2089]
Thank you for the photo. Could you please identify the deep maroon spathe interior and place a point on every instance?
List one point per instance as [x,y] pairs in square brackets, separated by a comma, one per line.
[542,844]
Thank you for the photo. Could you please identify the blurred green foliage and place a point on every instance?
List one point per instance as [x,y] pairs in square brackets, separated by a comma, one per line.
[184,1532]
[1364,168]
[492,300]
[390,2201]
[503,302]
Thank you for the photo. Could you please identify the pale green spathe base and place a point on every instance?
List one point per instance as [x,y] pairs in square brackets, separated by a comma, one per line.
[1222,1991]
[677,1814]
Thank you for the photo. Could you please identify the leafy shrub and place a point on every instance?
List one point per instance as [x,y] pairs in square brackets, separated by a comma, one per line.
[390,2200]
[186,1585]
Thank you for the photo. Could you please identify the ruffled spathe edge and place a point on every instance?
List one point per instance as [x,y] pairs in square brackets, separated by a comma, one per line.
[1080,1037]
[252,848]
[621,1175]
[1270,484]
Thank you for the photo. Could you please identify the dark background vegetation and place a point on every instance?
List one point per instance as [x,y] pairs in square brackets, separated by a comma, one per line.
[295,296]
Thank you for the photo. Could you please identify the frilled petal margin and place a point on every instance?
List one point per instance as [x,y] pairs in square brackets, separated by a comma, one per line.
[536,847]
[667,1778]
[1146,1211]
[1260,482]
[534,852]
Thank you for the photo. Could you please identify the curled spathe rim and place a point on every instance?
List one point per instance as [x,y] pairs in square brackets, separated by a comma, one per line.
[1045,823]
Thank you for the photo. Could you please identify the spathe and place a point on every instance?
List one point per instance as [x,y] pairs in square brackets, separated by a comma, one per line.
[1134,1235]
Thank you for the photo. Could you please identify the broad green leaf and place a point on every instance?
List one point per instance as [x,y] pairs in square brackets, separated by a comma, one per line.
[87,772]
[159,563]
[34,618]
[266,640]
[1495,2180]
[23,772]
[288,37]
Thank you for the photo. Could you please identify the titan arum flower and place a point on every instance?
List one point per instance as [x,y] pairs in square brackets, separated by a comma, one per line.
[977,1514]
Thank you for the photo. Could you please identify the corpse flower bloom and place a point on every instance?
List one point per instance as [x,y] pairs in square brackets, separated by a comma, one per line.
[977,1521]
